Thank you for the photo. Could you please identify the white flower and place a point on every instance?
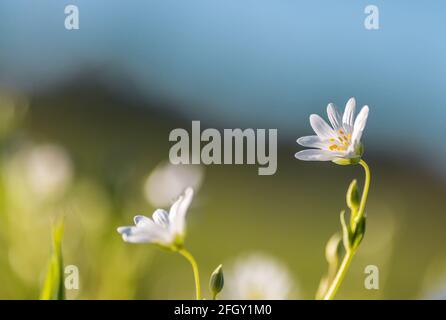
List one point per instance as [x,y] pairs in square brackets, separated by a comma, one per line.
[341,140]
[167,181]
[165,228]
[258,277]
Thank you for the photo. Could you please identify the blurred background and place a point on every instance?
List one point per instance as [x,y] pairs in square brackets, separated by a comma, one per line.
[85,117]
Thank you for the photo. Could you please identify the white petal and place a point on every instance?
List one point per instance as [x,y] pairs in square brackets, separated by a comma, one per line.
[359,125]
[311,142]
[334,116]
[349,115]
[161,217]
[322,129]
[177,214]
[141,221]
[318,155]
[151,233]
[174,209]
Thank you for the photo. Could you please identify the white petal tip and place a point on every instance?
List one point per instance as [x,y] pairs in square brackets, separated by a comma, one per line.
[138,218]
[300,156]
[189,191]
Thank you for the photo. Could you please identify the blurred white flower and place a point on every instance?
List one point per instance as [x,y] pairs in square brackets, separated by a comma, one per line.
[258,277]
[48,169]
[167,181]
[167,229]
[341,140]
[42,172]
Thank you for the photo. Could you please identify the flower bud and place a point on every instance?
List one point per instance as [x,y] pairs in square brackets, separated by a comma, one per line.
[353,199]
[216,281]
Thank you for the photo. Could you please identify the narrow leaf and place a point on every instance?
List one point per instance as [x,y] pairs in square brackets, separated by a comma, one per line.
[53,287]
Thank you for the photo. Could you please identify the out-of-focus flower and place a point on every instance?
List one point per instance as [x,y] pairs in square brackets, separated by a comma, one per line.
[48,169]
[43,171]
[167,181]
[258,277]
[167,229]
[338,142]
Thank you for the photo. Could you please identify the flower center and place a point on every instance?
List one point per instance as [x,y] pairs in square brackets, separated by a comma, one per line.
[341,143]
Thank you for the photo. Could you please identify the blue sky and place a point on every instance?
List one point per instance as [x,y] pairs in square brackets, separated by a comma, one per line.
[267,63]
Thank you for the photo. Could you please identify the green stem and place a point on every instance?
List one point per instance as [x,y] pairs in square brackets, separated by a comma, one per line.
[339,275]
[342,271]
[194,265]
[366,187]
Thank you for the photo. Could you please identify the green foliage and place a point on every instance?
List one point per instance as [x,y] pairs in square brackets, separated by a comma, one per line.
[353,197]
[53,287]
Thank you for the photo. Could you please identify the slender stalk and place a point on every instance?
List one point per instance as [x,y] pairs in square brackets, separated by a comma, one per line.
[339,275]
[342,271]
[194,265]
[366,186]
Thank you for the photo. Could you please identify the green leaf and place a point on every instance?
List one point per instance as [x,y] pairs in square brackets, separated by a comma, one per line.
[53,287]
[359,232]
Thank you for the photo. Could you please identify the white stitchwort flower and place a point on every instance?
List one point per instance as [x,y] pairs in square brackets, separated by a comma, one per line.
[341,140]
[167,229]
[258,277]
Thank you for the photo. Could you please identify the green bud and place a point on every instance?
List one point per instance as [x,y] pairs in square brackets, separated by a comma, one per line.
[216,281]
[353,199]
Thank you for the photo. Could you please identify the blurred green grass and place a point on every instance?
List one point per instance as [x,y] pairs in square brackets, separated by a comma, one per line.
[116,142]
